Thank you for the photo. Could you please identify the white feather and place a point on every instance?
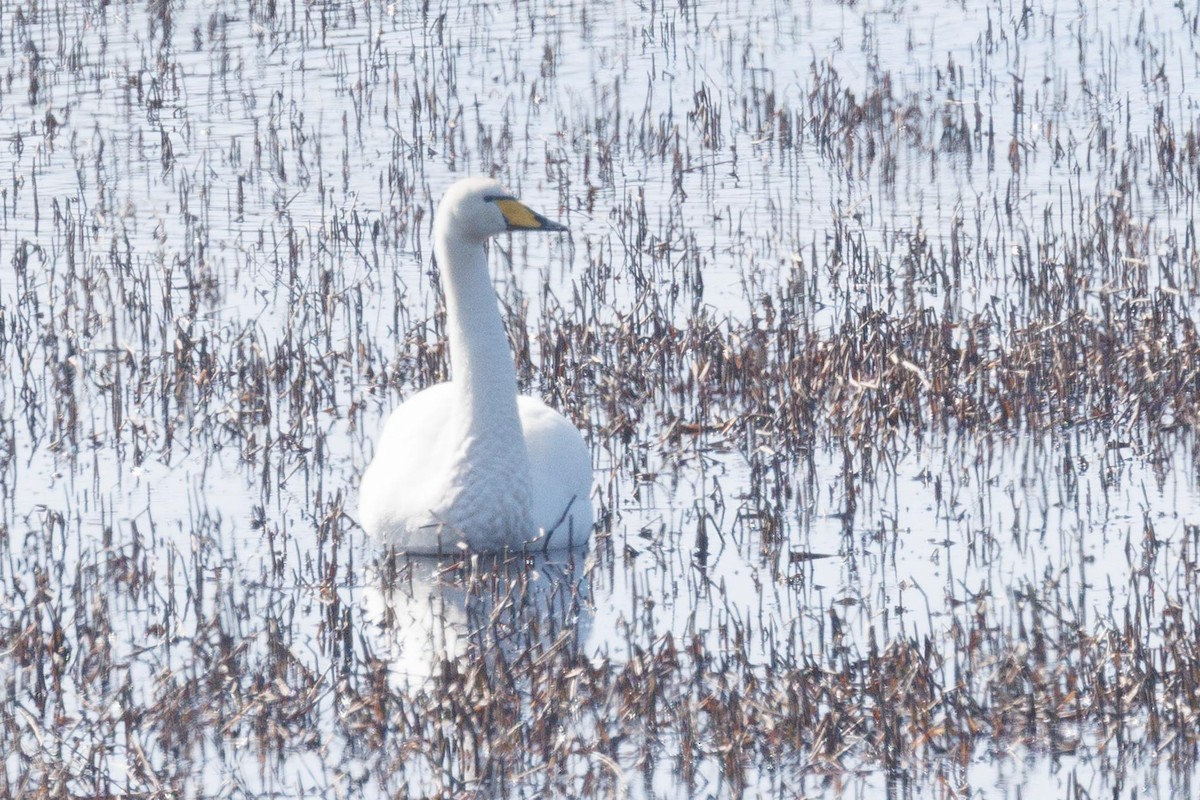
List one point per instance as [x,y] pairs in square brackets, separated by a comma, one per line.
[468,464]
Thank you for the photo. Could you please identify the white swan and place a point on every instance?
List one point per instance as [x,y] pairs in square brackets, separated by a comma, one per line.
[468,464]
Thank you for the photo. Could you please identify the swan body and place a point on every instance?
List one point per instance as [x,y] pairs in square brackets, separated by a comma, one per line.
[469,464]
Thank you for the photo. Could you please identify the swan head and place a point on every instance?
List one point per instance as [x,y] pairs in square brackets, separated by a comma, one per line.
[479,208]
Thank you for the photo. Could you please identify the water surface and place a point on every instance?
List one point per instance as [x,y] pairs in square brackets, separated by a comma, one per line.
[880,318]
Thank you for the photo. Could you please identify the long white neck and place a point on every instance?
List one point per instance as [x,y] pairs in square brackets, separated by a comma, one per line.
[481,362]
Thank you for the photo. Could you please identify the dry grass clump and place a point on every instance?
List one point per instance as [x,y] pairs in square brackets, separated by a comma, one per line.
[888,357]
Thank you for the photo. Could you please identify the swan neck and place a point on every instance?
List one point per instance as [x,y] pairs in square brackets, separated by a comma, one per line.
[481,362]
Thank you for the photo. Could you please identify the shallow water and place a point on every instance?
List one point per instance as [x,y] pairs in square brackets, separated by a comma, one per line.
[216,282]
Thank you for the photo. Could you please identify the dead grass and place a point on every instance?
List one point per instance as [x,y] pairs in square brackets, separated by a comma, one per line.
[789,280]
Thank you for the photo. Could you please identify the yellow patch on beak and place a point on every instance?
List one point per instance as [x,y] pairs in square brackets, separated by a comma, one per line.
[520,217]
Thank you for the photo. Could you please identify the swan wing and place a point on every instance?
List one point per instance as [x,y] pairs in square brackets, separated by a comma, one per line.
[400,486]
[560,465]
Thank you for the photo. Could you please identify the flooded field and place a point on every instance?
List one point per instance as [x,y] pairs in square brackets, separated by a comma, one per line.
[880,319]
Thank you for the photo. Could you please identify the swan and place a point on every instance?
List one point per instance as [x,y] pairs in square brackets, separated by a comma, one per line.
[468,464]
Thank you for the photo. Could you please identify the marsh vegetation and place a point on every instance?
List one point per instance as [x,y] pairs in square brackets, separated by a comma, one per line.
[880,319]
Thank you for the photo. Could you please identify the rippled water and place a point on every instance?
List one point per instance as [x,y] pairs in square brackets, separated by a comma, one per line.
[216,282]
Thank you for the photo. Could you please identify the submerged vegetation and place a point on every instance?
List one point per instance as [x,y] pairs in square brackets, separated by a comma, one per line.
[880,320]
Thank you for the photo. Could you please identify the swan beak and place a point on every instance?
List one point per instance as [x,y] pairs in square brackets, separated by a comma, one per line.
[522,218]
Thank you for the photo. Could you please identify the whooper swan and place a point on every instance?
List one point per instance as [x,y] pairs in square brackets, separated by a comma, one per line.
[467,464]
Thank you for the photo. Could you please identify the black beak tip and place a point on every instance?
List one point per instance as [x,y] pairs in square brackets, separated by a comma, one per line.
[550,226]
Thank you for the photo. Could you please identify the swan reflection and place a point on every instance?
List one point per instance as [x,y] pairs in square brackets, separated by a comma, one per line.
[425,612]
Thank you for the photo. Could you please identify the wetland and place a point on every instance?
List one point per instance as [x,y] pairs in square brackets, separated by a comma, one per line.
[879,318]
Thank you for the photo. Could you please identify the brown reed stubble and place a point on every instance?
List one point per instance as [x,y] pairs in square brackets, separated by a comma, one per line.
[661,382]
